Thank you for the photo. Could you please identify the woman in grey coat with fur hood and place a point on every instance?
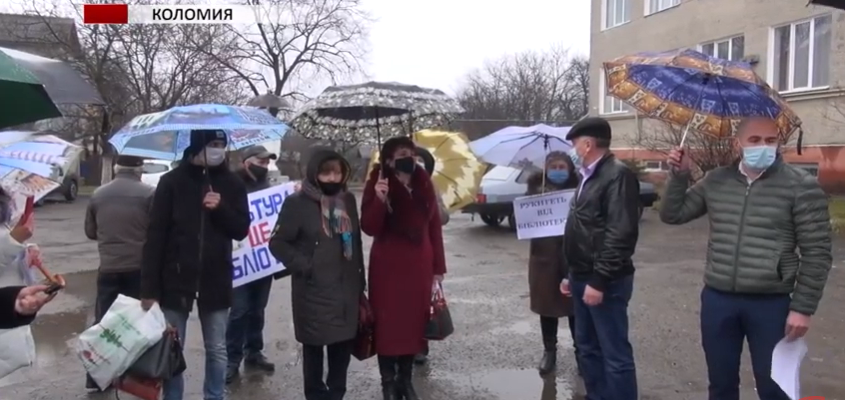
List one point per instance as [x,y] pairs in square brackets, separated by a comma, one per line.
[318,238]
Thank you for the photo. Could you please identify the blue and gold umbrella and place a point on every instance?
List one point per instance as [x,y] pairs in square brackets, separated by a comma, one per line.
[692,90]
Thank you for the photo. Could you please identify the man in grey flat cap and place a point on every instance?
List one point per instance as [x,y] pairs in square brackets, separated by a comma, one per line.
[117,218]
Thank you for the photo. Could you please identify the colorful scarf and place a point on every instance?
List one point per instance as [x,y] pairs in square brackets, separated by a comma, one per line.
[335,219]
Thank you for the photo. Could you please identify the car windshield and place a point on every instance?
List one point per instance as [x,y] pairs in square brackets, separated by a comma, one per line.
[498,174]
[150,168]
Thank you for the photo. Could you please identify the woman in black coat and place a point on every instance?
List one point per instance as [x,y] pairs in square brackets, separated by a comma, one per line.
[546,267]
[318,238]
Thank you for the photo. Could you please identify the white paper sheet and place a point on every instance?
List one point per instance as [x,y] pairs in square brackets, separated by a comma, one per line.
[786,366]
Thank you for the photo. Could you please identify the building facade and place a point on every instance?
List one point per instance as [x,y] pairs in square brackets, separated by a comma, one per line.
[798,49]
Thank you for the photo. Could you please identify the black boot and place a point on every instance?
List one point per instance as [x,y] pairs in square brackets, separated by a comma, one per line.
[405,390]
[549,360]
[387,369]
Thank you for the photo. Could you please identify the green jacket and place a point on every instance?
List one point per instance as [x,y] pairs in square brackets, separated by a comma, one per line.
[756,228]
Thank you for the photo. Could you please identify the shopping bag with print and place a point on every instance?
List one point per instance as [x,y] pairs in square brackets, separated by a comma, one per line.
[440,324]
[108,348]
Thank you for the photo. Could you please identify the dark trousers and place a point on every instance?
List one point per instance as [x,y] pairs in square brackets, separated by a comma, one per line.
[727,319]
[548,327]
[109,286]
[334,387]
[244,335]
[601,335]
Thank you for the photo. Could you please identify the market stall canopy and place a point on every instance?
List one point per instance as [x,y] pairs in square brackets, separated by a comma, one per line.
[63,84]
[840,4]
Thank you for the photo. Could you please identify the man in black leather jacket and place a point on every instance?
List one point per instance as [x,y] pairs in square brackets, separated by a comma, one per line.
[600,238]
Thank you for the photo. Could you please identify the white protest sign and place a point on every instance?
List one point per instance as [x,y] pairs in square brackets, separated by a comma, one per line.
[542,215]
[251,257]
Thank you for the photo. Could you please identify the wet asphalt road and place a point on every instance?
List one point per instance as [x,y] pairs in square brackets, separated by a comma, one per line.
[496,346]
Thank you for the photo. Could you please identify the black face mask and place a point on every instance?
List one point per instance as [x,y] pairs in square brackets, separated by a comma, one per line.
[259,172]
[406,165]
[331,188]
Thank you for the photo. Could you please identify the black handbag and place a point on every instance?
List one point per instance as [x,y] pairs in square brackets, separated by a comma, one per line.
[440,324]
[162,361]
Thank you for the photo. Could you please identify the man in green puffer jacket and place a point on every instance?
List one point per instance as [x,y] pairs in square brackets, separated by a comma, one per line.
[768,255]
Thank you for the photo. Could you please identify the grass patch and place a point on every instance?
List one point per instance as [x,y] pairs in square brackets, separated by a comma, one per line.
[837,213]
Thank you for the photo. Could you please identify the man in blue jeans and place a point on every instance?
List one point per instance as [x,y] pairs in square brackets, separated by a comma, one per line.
[199,209]
[768,256]
[600,237]
[246,320]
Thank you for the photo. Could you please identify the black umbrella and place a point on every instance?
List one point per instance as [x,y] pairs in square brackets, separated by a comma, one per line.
[373,109]
[840,4]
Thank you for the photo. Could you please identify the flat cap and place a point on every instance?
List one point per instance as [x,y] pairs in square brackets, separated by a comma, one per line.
[594,127]
[129,161]
[258,151]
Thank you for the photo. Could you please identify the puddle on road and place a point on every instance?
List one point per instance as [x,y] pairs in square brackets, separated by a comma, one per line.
[515,384]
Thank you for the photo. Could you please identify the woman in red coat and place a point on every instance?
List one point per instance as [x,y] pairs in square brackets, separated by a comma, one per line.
[400,211]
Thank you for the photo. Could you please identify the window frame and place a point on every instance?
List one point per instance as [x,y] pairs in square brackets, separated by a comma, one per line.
[649,11]
[770,73]
[662,166]
[605,12]
[603,96]
[716,42]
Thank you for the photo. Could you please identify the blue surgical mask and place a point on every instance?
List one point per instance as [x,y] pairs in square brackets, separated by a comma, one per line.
[759,157]
[576,159]
[557,175]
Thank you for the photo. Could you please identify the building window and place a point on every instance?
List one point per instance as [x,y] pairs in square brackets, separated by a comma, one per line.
[727,49]
[616,12]
[801,54]
[653,166]
[610,104]
[656,6]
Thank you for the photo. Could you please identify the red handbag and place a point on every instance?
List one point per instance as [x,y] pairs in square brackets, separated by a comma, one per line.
[364,345]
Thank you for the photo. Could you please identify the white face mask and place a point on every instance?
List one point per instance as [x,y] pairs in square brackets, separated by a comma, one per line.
[211,156]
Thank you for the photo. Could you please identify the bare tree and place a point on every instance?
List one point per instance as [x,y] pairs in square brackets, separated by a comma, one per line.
[547,86]
[306,40]
[138,68]
[705,151]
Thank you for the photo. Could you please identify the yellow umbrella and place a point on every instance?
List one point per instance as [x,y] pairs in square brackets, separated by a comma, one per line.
[457,172]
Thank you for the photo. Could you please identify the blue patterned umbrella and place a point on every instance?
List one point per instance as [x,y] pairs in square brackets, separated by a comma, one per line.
[690,89]
[165,135]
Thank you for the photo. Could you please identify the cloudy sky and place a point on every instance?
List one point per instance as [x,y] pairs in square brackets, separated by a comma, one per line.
[434,43]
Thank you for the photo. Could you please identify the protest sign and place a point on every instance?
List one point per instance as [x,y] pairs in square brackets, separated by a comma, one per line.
[542,215]
[251,257]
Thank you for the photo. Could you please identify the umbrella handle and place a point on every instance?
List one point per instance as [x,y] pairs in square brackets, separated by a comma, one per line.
[378,131]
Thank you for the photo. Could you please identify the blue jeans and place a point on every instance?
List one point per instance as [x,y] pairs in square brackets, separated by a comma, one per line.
[214,337]
[601,336]
[727,319]
[246,320]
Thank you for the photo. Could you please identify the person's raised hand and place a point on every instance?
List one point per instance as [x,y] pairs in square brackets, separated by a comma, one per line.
[31,298]
[382,187]
[678,160]
[211,200]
